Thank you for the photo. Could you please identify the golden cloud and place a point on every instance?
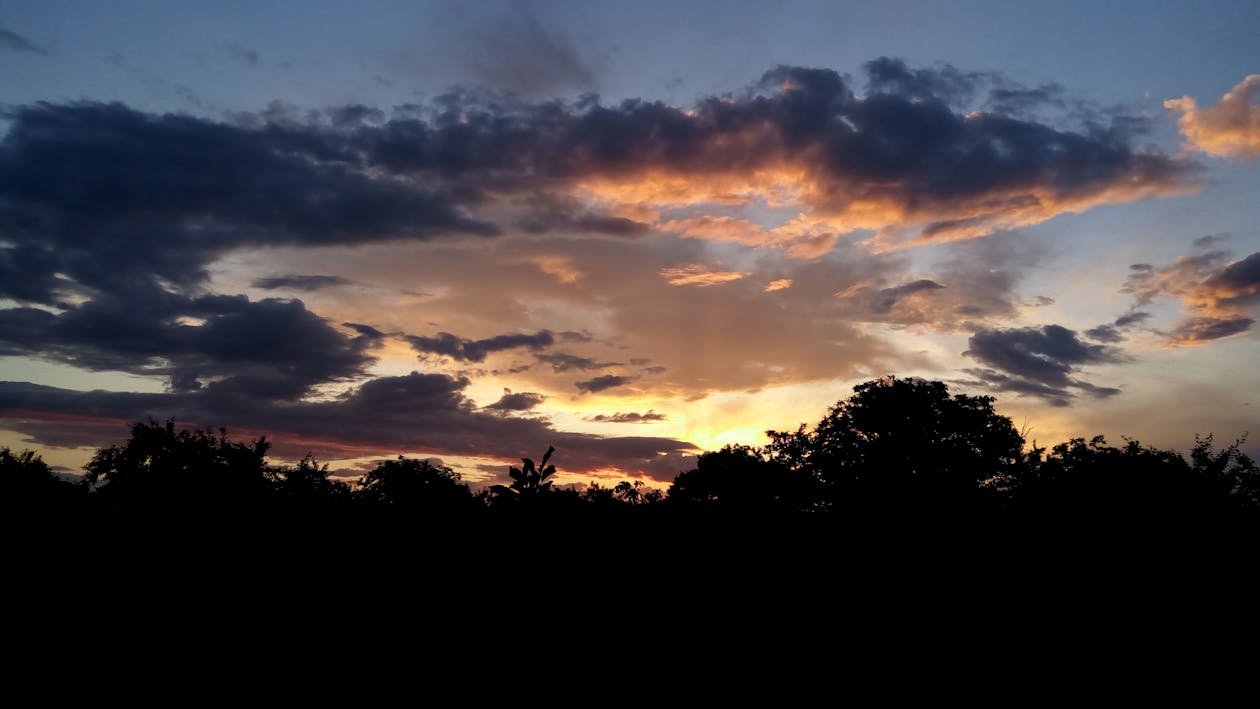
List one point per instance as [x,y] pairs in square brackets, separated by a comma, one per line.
[1231,128]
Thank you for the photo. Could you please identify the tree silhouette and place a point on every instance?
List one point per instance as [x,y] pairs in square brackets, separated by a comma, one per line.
[1092,482]
[741,479]
[307,484]
[905,446]
[27,484]
[408,484]
[161,469]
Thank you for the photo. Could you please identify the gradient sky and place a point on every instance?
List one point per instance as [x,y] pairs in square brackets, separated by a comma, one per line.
[633,231]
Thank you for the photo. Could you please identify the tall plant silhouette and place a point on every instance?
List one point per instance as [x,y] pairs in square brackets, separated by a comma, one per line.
[529,480]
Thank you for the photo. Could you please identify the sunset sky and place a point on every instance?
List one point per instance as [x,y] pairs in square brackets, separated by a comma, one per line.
[634,231]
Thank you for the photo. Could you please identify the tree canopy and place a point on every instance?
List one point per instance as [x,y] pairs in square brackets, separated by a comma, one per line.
[905,444]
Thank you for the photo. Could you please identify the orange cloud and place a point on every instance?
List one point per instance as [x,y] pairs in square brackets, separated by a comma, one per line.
[558,267]
[1231,128]
[779,284]
[1216,295]
[696,274]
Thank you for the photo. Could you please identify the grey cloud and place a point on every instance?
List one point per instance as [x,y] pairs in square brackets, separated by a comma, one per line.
[424,413]
[564,362]
[463,350]
[1104,333]
[1040,361]
[301,282]
[520,401]
[521,54]
[269,348]
[602,383]
[13,41]
[648,416]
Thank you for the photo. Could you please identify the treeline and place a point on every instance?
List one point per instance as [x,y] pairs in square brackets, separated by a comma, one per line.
[898,452]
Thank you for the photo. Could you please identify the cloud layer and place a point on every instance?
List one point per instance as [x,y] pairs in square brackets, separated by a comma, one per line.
[637,249]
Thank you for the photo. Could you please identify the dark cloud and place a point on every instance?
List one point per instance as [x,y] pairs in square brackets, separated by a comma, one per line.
[1208,240]
[415,413]
[1104,333]
[648,416]
[300,282]
[1019,100]
[1039,361]
[13,41]
[463,350]
[354,115]
[105,195]
[1114,332]
[1205,329]
[1238,284]
[520,401]
[366,331]
[885,75]
[1130,319]
[602,382]
[564,362]
[269,348]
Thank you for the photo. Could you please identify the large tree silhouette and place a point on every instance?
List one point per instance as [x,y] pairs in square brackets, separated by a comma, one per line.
[408,484]
[742,479]
[905,447]
[160,469]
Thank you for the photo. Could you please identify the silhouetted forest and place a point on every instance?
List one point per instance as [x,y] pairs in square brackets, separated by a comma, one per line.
[897,454]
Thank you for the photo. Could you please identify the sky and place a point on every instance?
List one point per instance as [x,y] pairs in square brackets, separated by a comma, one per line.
[634,231]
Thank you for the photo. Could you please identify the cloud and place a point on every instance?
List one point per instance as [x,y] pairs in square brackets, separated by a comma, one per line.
[697,274]
[1114,332]
[888,297]
[602,383]
[521,54]
[1041,361]
[104,194]
[241,53]
[463,350]
[13,41]
[564,362]
[414,413]
[520,401]
[1218,295]
[972,285]
[1231,128]
[300,282]
[270,348]
[777,284]
[649,416]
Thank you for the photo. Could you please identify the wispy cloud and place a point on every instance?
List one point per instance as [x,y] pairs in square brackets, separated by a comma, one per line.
[18,43]
[696,274]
